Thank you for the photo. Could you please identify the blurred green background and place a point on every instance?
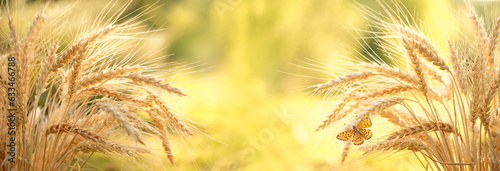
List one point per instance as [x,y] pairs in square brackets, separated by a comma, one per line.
[250,96]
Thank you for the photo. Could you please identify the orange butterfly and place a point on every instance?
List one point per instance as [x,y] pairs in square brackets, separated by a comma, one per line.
[358,134]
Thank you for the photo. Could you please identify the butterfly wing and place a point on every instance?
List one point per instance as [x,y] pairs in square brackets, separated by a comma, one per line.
[365,123]
[366,133]
[357,139]
[346,135]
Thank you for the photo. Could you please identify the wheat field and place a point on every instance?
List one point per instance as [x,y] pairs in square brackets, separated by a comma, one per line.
[249,85]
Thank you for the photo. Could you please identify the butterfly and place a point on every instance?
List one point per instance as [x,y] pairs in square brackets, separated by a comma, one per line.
[358,133]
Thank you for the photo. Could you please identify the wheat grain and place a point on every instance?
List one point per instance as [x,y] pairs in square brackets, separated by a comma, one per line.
[424,127]
[376,107]
[478,29]
[344,80]
[33,33]
[392,117]
[69,128]
[337,115]
[89,146]
[492,43]
[417,66]
[119,114]
[397,145]
[478,68]
[91,60]
[139,122]
[103,76]
[89,39]
[457,66]
[390,72]
[345,151]
[423,46]
[153,81]
[118,95]
[76,69]
[44,73]
[168,113]
[387,91]
[433,73]
[160,126]
[333,116]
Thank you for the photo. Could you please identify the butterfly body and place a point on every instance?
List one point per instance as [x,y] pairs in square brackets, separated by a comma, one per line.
[356,130]
[358,133]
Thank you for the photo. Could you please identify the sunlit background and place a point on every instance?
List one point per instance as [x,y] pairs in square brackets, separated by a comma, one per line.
[249,93]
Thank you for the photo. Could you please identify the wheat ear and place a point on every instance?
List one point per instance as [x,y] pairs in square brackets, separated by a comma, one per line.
[163,132]
[396,144]
[424,127]
[120,116]
[423,46]
[387,91]
[492,43]
[391,72]
[334,115]
[32,35]
[118,95]
[106,75]
[416,63]
[69,128]
[153,81]
[345,151]
[89,146]
[89,39]
[169,113]
[344,80]
[478,29]
[457,66]
[376,107]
